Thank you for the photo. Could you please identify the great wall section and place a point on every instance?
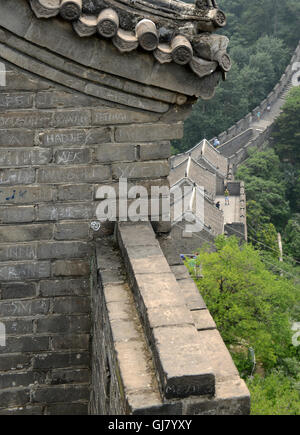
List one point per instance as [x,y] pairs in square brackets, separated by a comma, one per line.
[252,131]
[214,167]
[103,318]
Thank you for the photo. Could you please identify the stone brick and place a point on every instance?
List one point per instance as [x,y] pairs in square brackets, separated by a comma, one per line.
[67,409]
[60,360]
[22,271]
[71,305]
[75,192]
[71,231]
[71,268]
[16,101]
[148,132]
[18,326]
[67,376]
[29,307]
[115,152]
[62,250]
[12,380]
[88,174]
[25,233]
[66,324]
[25,194]
[17,176]
[23,410]
[66,393]
[66,211]
[16,138]
[54,99]
[65,287]
[14,397]
[25,344]
[17,252]
[156,169]
[105,116]
[70,341]
[15,362]
[155,151]
[18,290]
[11,214]
[192,375]
[73,137]
[72,156]
[203,320]
[27,157]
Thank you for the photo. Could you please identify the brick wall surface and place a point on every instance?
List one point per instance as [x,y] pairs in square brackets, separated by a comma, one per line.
[57,147]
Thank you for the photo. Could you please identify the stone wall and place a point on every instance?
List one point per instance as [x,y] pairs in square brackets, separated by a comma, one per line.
[246,122]
[57,147]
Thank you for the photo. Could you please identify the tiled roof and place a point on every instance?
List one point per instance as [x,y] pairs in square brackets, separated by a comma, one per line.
[173,31]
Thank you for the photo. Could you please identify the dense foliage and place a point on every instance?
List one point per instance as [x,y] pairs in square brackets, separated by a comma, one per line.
[254,308]
[263,35]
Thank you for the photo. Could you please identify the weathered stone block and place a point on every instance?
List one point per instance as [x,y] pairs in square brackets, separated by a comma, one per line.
[17,252]
[117,116]
[10,214]
[156,169]
[59,360]
[54,99]
[65,211]
[16,138]
[71,305]
[71,268]
[70,137]
[64,287]
[87,174]
[18,290]
[22,271]
[25,344]
[155,151]
[25,308]
[148,132]
[71,231]
[15,362]
[203,320]
[17,176]
[65,393]
[26,194]
[72,156]
[67,324]
[192,374]
[16,101]
[115,152]
[70,341]
[75,192]
[62,250]
[25,233]
[26,157]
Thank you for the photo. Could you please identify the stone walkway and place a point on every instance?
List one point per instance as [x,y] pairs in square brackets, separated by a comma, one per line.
[231,211]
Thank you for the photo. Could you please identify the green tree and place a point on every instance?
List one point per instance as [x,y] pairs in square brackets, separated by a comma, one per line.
[250,305]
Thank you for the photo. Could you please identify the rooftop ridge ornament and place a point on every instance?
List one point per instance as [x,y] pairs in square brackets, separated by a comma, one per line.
[173,31]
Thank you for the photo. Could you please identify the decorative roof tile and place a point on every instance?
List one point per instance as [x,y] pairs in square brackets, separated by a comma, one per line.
[172,30]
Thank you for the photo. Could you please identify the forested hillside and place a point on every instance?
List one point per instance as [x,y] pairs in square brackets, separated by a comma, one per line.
[263,35]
